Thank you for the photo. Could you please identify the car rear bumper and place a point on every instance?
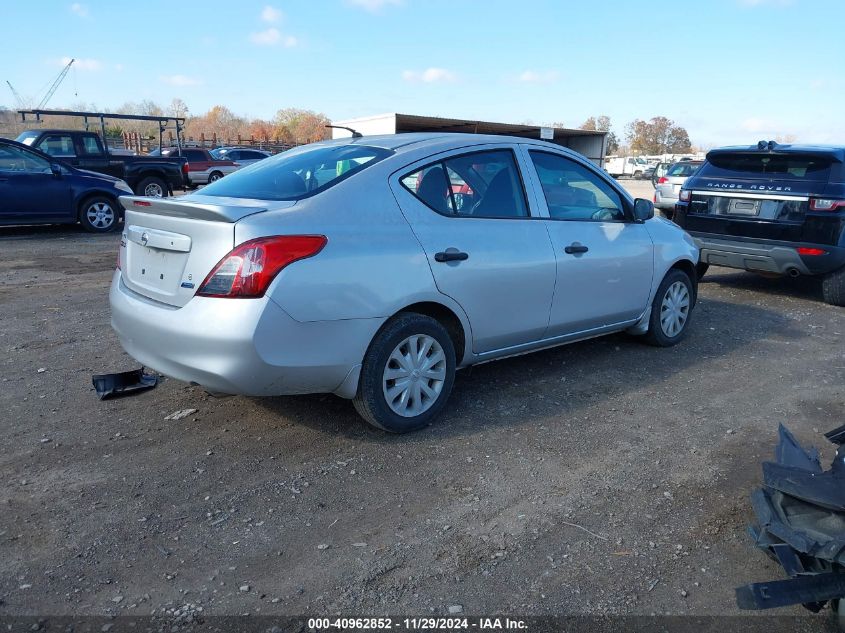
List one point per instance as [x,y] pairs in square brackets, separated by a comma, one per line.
[760,256]
[664,201]
[241,346]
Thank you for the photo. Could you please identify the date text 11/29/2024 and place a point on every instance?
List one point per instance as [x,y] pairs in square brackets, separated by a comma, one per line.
[417,624]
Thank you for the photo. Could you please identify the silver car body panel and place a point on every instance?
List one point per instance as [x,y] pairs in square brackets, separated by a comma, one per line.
[517,292]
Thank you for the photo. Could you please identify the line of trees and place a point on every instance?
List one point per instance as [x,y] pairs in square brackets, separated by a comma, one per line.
[656,136]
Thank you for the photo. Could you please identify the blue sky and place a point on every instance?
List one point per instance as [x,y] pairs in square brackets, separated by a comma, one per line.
[730,71]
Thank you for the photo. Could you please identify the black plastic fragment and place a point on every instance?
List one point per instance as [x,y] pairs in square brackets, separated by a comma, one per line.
[123,384]
[790,453]
[807,590]
[837,436]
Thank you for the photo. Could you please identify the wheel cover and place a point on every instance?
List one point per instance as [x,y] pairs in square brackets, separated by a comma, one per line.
[154,190]
[100,215]
[414,375]
[215,177]
[674,309]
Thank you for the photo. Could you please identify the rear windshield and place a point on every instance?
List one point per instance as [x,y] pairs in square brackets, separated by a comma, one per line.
[769,166]
[683,170]
[294,175]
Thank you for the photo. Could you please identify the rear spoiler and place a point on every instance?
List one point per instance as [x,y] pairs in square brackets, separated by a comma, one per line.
[195,210]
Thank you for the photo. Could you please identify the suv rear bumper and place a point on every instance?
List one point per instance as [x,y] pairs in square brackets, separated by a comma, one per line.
[771,257]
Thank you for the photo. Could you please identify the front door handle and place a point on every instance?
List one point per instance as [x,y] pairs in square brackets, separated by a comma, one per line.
[574,249]
[451,255]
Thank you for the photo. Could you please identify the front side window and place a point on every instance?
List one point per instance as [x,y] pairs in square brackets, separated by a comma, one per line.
[295,175]
[574,192]
[481,185]
[13,159]
[59,145]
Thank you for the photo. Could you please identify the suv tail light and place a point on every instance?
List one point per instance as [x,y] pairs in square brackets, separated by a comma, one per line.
[247,271]
[826,204]
[186,168]
[662,180]
[684,195]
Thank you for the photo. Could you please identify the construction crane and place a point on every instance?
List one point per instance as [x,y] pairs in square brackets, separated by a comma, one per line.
[19,102]
[54,86]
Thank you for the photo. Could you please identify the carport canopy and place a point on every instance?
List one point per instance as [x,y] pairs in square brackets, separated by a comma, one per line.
[590,143]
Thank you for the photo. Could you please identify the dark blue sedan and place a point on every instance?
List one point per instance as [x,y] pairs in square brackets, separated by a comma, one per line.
[37,189]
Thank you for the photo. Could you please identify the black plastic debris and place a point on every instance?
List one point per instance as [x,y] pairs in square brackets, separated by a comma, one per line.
[801,515]
[123,384]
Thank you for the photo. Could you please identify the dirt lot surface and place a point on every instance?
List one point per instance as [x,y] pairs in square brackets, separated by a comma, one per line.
[602,477]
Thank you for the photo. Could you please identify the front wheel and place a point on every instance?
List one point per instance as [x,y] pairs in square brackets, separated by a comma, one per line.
[407,374]
[671,309]
[98,214]
[833,287]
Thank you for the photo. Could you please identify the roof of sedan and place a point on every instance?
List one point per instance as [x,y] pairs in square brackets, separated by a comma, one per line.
[407,140]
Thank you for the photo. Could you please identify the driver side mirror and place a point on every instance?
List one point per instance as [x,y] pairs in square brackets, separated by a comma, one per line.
[643,210]
[56,169]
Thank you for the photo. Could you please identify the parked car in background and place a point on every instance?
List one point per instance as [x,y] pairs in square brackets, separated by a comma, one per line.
[241,155]
[309,266]
[771,208]
[631,166]
[36,188]
[203,167]
[666,187]
[147,175]
[660,169]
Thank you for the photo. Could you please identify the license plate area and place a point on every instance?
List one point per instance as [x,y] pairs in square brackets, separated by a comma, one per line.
[739,206]
[156,269]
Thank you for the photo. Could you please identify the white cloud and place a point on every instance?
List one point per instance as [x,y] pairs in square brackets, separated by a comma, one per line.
[180,80]
[81,64]
[273,37]
[538,77]
[430,75]
[374,6]
[79,9]
[271,14]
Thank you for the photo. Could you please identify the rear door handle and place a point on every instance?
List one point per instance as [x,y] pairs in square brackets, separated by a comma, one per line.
[574,249]
[451,256]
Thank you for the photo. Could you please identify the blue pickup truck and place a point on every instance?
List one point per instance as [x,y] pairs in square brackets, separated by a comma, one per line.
[770,208]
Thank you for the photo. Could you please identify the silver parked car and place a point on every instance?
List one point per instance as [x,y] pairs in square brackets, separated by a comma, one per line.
[666,187]
[375,267]
[241,155]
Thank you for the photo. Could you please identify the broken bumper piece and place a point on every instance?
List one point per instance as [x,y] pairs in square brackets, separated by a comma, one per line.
[124,383]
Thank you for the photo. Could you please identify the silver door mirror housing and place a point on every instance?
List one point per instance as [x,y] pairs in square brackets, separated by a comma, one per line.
[643,210]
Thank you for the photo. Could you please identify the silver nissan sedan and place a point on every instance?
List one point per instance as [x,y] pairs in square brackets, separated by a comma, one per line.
[373,268]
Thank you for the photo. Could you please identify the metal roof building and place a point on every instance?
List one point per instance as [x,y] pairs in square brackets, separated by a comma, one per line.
[590,143]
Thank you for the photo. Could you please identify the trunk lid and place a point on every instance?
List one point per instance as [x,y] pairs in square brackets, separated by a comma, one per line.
[169,246]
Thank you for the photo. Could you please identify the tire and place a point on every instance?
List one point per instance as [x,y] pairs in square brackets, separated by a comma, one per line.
[676,297]
[99,214]
[638,175]
[701,269]
[214,177]
[401,338]
[152,187]
[833,287]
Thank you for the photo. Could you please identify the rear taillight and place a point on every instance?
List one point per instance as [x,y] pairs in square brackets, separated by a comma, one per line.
[185,168]
[813,252]
[684,195]
[826,204]
[247,271]
[662,180]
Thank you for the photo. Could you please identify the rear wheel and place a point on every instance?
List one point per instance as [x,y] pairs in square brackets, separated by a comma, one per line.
[833,287]
[407,374]
[671,309]
[98,214]
[215,176]
[152,187]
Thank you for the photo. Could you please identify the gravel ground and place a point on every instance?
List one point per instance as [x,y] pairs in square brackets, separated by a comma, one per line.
[603,477]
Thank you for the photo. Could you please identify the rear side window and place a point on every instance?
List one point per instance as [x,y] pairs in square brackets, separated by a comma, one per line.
[768,166]
[480,185]
[683,170]
[297,174]
[194,156]
[90,146]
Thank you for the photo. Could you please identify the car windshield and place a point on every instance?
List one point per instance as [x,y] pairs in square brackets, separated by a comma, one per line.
[683,170]
[297,174]
[27,138]
[770,166]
